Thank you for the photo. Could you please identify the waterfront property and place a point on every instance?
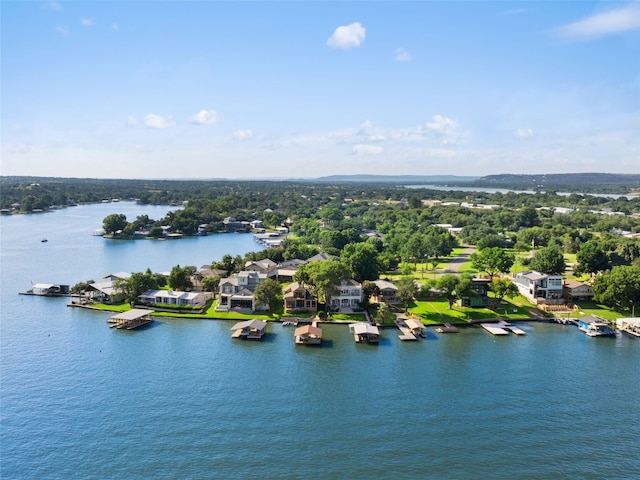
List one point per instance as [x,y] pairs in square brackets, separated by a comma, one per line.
[349,296]
[297,298]
[236,292]
[540,288]
[131,319]
[574,291]
[387,293]
[479,296]
[255,329]
[629,325]
[595,326]
[173,297]
[365,332]
[308,335]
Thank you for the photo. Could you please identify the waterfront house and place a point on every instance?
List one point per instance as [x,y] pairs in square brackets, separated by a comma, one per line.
[261,266]
[540,288]
[479,296]
[574,290]
[173,297]
[236,292]
[308,335]
[349,296]
[255,329]
[365,332]
[387,293]
[297,298]
[320,257]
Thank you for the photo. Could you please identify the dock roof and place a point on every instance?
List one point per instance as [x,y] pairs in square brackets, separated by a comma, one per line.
[308,330]
[132,314]
[361,328]
[255,323]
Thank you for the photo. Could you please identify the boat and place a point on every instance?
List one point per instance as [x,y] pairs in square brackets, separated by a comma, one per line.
[595,326]
[44,240]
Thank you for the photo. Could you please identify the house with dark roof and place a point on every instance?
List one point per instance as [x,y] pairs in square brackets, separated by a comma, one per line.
[298,298]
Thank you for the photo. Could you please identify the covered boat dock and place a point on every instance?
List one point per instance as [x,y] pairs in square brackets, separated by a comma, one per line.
[131,319]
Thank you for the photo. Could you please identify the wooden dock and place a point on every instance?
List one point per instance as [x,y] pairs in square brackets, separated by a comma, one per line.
[130,319]
[447,328]
[502,328]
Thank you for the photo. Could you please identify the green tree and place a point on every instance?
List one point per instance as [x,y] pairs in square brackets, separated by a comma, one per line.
[407,290]
[268,292]
[591,258]
[549,260]
[179,278]
[323,277]
[492,260]
[211,284]
[369,289]
[618,288]
[362,261]
[454,287]
[503,288]
[114,222]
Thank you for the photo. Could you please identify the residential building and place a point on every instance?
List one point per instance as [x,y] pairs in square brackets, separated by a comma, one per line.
[540,287]
[236,292]
[574,290]
[172,297]
[349,295]
[479,293]
[297,298]
[387,293]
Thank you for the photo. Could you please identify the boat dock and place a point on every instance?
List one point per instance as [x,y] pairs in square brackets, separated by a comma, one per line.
[406,335]
[447,328]
[629,325]
[502,328]
[130,319]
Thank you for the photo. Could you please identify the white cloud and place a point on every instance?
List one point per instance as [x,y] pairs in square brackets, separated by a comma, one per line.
[158,121]
[205,117]
[53,5]
[62,30]
[362,149]
[242,134]
[401,55]
[441,153]
[115,26]
[523,133]
[86,22]
[606,23]
[132,121]
[347,36]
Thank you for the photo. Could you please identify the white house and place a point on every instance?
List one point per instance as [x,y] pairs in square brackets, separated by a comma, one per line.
[540,287]
[173,297]
[349,295]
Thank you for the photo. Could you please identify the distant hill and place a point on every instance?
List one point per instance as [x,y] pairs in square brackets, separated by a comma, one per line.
[402,179]
[541,181]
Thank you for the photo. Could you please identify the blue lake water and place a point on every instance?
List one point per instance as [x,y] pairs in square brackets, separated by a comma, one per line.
[181,399]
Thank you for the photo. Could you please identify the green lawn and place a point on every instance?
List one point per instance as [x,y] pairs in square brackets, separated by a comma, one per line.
[437,311]
[593,308]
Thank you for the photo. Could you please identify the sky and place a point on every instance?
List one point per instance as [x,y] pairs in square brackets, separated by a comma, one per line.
[303,89]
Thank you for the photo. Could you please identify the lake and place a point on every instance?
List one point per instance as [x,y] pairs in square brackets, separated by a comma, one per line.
[181,399]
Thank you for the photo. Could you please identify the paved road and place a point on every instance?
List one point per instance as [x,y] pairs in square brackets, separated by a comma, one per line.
[454,265]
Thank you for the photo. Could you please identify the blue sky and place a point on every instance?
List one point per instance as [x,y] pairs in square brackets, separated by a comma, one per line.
[304,89]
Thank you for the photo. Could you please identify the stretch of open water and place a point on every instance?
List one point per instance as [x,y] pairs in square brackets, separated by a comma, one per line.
[181,399]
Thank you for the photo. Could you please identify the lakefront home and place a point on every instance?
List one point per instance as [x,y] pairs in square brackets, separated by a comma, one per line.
[236,292]
[173,297]
[349,296]
[387,293]
[540,288]
[297,298]
[573,290]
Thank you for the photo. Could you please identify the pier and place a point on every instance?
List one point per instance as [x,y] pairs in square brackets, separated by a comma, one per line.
[502,328]
[131,319]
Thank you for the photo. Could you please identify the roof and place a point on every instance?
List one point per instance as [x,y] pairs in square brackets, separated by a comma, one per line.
[533,275]
[592,319]
[571,283]
[308,330]
[43,286]
[413,323]
[105,287]
[319,257]
[255,323]
[132,314]
[361,328]
[385,285]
